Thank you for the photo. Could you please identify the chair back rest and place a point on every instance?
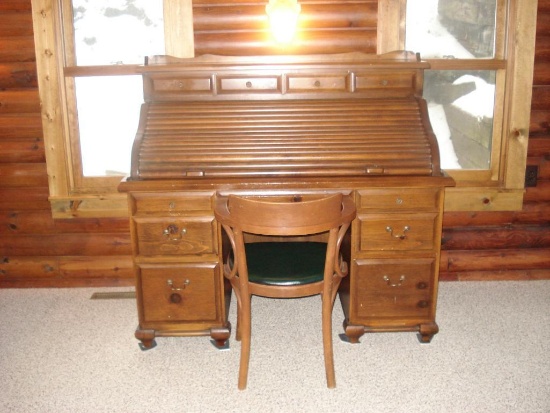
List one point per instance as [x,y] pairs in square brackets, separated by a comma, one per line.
[263,215]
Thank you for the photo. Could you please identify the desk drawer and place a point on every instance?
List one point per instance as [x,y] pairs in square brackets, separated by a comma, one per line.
[183,85]
[326,83]
[393,288]
[233,84]
[398,199]
[397,232]
[170,203]
[388,82]
[175,236]
[178,292]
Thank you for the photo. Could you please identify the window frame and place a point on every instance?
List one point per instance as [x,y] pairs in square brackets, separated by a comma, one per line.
[72,195]
[502,186]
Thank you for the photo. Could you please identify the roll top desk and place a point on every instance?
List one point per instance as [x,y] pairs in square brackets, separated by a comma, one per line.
[285,126]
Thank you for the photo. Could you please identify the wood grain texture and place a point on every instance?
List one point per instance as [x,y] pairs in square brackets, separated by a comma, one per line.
[24,206]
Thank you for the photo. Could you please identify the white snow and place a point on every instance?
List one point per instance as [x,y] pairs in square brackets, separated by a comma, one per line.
[124,31]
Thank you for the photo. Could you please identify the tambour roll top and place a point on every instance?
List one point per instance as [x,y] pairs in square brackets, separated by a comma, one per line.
[284,116]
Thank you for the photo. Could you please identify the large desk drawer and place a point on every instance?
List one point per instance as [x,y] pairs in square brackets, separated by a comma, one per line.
[180,292]
[175,236]
[387,288]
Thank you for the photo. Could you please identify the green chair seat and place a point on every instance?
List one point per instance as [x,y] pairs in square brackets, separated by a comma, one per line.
[285,263]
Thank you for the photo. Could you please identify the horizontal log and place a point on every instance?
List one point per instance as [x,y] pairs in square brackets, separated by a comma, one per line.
[541,73]
[97,267]
[539,146]
[17,49]
[35,267]
[17,271]
[488,238]
[16,24]
[25,150]
[14,126]
[243,16]
[542,47]
[314,42]
[497,260]
[41,222]
[18,75]
[502,275]
[63,282]
[532,213]
[84,244]
[540,193]
[23,175]
[543,164]
[15,5]
[19,101]
[26,222]
[539,123]
[541,98]
[29,198]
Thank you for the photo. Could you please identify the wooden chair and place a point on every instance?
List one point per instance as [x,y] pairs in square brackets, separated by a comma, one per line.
[284,268]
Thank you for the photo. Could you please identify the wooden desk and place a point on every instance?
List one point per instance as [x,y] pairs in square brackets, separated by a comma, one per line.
[285,125]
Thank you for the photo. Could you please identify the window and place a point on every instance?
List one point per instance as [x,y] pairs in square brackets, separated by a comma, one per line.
[86,74]
[478,89]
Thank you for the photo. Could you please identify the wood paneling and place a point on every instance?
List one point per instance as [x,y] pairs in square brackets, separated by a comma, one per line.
[36,250]
[229,28]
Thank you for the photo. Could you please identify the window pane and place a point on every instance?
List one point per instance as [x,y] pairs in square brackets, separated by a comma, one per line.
[461,29]
[108,116]
[461,106]
[117,31]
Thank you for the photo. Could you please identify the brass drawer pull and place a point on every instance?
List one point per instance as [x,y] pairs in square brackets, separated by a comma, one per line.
[399,236]
[170,284]
[173,232]
[388,281]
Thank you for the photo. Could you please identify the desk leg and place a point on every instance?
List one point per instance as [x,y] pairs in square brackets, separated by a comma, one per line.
[147,338]
[427,332]
[352,333]
[220,336]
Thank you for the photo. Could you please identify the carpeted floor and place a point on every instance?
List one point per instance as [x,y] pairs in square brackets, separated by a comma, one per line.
[63,352]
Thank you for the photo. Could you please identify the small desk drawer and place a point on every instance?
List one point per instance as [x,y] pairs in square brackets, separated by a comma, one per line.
[397,232]
[180,292]
[175,236]
[386,81]
[183,85]
[232,84]
[394,288]
[171,203]
[398,199]
[328,83]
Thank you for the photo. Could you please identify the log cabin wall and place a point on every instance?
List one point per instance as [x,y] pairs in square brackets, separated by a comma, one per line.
[238,28]
[511,245]
[37,251]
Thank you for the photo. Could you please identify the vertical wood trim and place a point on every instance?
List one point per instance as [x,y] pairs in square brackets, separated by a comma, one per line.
[521,46]
[178,28]
[48,68]
[391,25]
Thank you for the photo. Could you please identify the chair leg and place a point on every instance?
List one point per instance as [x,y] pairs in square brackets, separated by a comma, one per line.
[238,334]
[327,340]
[245,330]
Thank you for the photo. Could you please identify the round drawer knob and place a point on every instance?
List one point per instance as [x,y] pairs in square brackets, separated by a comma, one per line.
[422,285]
[175,298]
[249,84]
[423,304]
[317,83]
